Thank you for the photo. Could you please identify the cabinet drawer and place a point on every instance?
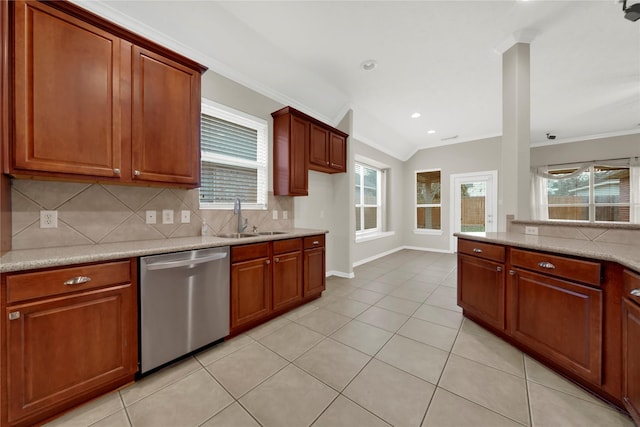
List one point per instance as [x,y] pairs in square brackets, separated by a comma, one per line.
[24,286]
[247,252]
[289,245]
[568,268]
[631,284]
[314,242]
[483,250]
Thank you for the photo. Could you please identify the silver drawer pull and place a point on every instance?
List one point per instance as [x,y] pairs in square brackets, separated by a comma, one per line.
[79,280]
[545,264]
[635,292]
[14,315]
[498,268]
[477,250]
[315,242]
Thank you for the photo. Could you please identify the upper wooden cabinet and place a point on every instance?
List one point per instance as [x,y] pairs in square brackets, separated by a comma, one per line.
[300,143]
[94,102]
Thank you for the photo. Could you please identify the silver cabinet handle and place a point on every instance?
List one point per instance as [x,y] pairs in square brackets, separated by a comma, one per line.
[512,273]
[477,250]
[78,280]
[498,268]
[268,262]
[277,259]
[547,265]
[635,292]
[136,173]
[14,315]
[116,171]
[315,242]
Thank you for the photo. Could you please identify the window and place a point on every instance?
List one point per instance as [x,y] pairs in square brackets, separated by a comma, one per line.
[428,203]
[591,193]
[234,158]
[368,199]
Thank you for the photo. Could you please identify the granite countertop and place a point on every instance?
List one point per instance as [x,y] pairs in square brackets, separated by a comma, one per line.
[29,259]
[626,255]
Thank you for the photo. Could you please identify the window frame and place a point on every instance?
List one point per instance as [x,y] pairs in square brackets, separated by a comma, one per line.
[426,231]
[223,112]
[591,204]
[380,173]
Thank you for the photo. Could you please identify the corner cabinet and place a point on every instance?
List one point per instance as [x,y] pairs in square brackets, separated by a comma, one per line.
[71,335]
[302,143]
[631,344]
[93,102]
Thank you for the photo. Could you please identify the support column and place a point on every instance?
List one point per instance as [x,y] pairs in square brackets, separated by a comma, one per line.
[514,176]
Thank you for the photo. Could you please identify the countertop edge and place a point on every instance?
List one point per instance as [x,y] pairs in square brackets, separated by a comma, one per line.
[31,259]
[625,255]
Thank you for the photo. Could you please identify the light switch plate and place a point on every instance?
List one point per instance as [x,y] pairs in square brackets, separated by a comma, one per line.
[531,230]
[285,214]
[185,217]
[150,217]
[48,219]
[167,216]
[275,214]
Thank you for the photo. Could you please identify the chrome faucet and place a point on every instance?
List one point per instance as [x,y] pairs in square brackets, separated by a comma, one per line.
[237,210]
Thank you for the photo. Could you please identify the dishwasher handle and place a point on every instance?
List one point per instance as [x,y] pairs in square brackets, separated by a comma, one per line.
[182,263]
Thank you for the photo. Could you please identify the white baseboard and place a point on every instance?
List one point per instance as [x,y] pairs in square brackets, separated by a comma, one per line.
[375,257]
[418,248]
[340,274]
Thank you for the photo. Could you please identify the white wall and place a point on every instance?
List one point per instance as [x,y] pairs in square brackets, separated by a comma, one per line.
[473,156]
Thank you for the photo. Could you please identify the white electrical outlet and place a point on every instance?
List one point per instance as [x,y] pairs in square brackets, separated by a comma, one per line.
[531,230]
[150,217]
[275,214]
[167,216]
[48,219]
[285,214]
[185,217]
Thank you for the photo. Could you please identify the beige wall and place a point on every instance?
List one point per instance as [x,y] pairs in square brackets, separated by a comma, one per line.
[395,204]
[473,156]
[582,151]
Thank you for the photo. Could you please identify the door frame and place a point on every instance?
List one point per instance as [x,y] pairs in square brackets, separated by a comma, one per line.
[492,193]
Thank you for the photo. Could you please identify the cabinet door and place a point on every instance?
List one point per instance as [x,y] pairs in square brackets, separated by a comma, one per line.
[314,274]
[298,153]
[287,279]
[631,358]
[67,91]
[65,348]
[481,289]
[166,120]
[560,320]
[338,153]
[319,146]
[250,291]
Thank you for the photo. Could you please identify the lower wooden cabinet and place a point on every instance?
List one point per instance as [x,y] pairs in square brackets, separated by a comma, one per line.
[560,320]
[631,345]
[314,265]
[66,344]
[272,277]
[481,290]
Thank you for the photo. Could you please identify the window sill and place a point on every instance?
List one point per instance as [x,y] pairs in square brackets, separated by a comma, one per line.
[374,236]
[428,232]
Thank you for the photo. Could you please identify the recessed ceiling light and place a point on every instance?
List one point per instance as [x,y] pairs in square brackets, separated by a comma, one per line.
[430,132]
[415,115]
[369,64]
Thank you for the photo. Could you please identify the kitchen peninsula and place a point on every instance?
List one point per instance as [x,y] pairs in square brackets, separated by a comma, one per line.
[568,296]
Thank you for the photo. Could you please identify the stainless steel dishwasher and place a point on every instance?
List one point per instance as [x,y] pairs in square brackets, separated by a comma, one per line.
[184,304]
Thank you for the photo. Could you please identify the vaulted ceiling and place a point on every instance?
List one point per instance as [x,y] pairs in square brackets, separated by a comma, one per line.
[439,58]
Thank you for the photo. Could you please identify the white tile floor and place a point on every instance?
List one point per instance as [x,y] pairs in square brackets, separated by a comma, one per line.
[389,347]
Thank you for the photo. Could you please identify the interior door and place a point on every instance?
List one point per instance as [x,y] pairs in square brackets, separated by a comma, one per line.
[474,203]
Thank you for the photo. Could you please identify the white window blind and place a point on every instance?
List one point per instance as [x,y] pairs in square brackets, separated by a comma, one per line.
[234,158]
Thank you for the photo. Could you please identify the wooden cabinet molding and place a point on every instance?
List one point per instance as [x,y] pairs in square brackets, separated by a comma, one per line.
[5,135]
[631,344]
[109,107]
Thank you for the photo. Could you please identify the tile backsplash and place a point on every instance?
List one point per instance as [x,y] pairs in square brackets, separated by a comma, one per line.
[97,213]
[626,234]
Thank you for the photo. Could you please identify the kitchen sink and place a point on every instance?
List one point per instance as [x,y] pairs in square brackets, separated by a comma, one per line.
[271,233]
[236,235]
